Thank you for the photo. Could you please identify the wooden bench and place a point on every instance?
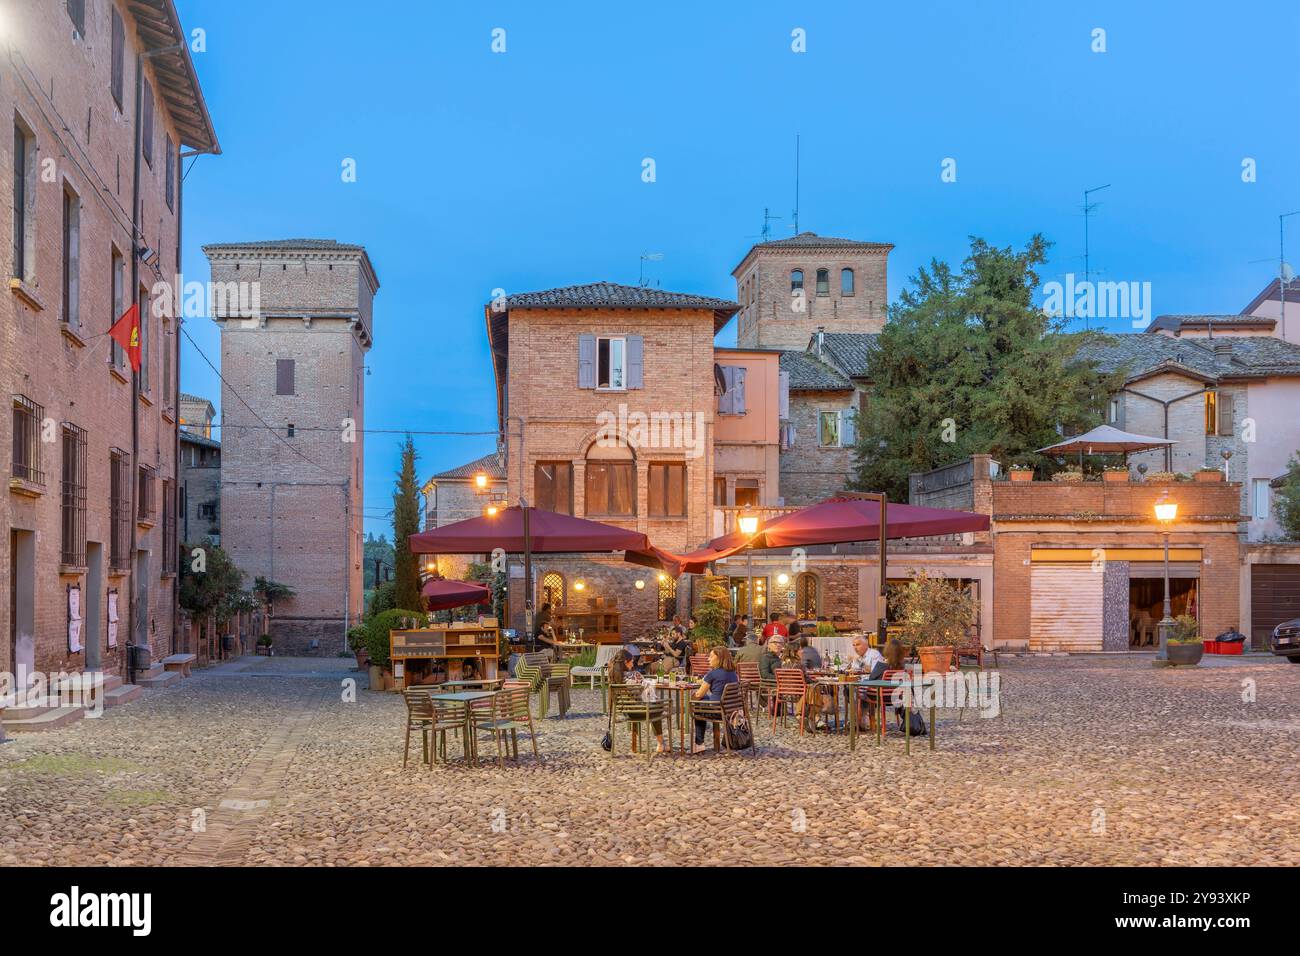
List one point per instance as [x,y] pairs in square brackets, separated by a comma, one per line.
[179,663]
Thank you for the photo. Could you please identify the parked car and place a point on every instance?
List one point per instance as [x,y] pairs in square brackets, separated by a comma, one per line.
[1286,640]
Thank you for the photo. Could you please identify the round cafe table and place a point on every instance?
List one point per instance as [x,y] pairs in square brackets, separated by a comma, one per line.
[907,712]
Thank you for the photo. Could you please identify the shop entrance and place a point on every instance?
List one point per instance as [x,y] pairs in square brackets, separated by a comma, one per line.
[739,588]
[1146,606]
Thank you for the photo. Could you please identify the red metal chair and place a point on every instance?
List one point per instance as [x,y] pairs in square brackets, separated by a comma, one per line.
[791,687]
[699,665]
[751,681]
[876,699]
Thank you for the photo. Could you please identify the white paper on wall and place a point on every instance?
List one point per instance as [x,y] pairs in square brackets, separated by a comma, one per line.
[74,617]
[112,617]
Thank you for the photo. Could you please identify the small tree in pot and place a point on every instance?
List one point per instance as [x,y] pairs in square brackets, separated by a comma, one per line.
[934,615]
[1185,645]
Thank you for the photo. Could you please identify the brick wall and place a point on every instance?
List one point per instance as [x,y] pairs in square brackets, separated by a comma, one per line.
[291,506]
[52,79]
[201,483]
[603,577]
[810,472]
[767,319]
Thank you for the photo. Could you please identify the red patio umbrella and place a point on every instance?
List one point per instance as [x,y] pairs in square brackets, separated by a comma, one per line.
[539,532]
[442,593]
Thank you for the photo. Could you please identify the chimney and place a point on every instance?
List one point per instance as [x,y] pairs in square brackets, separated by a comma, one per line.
[821,339]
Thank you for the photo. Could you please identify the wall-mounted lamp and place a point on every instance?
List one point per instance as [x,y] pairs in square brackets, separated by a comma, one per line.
[639,584]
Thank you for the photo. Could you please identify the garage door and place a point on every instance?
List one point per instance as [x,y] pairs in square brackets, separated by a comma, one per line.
[1274,598]
[1065,611]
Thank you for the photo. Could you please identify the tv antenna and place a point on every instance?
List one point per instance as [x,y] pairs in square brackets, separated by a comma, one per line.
[1284,273]
[647,257]
[1088,208]
[766,232]
[796,184]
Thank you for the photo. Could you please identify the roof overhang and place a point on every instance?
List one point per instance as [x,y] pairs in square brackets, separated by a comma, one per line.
[166,46]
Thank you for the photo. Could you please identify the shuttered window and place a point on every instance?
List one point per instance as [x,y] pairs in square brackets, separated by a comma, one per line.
[1225,414]
[284,371]
[611,488]
[146,124]
[115,82]
[170,161]
[667,490]
[732,400]
[77,13]
[71,258]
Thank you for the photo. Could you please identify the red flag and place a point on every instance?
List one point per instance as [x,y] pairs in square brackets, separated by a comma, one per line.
[126,333]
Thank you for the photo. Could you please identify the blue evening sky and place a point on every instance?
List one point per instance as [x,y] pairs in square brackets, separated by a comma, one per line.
[522,170]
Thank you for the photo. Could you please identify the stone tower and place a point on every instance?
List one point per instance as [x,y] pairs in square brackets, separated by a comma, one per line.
[295,317]
[788,288]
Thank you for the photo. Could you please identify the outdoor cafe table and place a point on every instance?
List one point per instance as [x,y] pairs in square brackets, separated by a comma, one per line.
[491,683]
[466,697]
[907,711]
[680,709]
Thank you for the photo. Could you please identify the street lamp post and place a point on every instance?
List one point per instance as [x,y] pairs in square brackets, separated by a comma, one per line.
[1166,512]
[748,522]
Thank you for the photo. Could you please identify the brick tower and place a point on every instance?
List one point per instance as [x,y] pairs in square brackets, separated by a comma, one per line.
[295,318]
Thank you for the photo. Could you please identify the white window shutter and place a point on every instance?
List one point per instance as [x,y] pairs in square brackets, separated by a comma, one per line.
[586,361]
[635,361]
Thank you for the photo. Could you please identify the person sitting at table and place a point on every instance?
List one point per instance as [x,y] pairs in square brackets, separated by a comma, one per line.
[891,660]
[771,659]
[793,630]
[676,649]
[542,624]
[864,656]
[677,624]
[722,671]
[752,650]
[774,627]
[739,631]
[624,665]
[810,659]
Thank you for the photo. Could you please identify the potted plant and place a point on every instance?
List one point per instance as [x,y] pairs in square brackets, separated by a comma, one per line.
[1069,475]
[1208,474]
[264,645]
[377,644]
[1021,473]
[935,615]
[711,616]
[1115,473]
[357,644]
[1185,645]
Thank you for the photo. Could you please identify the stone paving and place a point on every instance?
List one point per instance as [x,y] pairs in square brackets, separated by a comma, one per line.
[1096,760]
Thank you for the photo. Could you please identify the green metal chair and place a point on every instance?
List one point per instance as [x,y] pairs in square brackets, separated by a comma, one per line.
[508,712]
[532,673]
[627,707]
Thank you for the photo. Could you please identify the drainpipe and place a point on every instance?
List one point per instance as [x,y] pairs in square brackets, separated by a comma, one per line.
[135,376]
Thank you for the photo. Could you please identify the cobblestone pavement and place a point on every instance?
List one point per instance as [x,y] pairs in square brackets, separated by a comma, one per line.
[1100,760]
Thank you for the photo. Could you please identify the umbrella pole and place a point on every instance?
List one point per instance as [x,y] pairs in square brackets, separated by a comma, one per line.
[528,576]
[883,624]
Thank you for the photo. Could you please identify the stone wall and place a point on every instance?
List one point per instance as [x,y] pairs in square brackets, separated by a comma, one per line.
[809,471]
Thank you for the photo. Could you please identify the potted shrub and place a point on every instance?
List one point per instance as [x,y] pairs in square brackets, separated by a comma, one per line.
[357,645]
[264,645]
[934,616]
[1185,645]
[1162,476]
[1208,474]
[377,645]
[1021,473]
[1115,473]
[1068,476]
[711,616]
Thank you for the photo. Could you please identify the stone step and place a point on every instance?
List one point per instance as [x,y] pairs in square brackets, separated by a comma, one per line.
[160,678]
[123,694]
[51,719]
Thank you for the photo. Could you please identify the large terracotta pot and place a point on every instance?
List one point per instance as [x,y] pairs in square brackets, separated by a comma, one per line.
[1114,476]
[1021,474]
[376,677]
[1212,475]
[1188,654]
[935,659]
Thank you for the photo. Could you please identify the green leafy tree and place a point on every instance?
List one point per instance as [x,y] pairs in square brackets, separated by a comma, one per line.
[215,586]
[406,522]
[376,549]
[967,364]
[1287,501]
[271,591]
[711,613]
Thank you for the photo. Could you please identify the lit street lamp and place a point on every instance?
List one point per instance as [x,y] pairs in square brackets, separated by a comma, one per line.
[1166,512]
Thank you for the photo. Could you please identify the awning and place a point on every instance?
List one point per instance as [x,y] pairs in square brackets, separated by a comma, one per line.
[442,593]
[1105,440]
[548,532]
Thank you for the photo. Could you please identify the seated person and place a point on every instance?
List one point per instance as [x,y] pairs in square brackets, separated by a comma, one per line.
[864,656]
[771,659]
[774,627]
[722,671]
[676,649]
[751,651]
[626,668]
[891,660]
[810,659]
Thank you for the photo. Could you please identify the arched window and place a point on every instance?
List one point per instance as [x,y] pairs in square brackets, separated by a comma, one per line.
[667,597]
[846,282]
[806,594]
[553,589]
[823,282]
[796,280]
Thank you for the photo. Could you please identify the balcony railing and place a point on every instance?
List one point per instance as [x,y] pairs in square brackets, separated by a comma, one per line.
[725,517]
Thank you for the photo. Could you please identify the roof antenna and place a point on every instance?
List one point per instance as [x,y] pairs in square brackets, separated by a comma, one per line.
[796,184]
[1087,211]
[766,232]
[1284,272]
[647,257]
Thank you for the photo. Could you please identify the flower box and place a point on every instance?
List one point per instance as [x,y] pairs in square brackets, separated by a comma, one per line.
[1208,474]
[1021,474]
[1114,476]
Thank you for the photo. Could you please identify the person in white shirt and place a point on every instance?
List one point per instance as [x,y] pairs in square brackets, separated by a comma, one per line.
[865,657]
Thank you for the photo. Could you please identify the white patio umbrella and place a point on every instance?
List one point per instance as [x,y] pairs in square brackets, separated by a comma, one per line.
[1105,440]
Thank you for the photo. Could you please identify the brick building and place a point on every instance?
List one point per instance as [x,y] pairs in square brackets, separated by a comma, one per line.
[105,104]
[292,441]
[200,489]
[606,396]
[459,493]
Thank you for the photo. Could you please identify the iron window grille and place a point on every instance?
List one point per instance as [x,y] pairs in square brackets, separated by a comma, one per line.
[27,440]
[73,531]
[148,509]
[119,552]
